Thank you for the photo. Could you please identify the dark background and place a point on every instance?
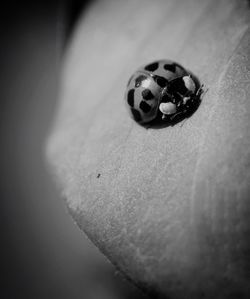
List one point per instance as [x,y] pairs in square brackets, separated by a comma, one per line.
[43,253]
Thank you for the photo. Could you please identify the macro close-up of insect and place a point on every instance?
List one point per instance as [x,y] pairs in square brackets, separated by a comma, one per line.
[162,90]
[125,149]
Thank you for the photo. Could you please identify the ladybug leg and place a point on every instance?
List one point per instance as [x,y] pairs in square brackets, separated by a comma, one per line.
[164,117]
[183,122]
[201,91]
[174,116]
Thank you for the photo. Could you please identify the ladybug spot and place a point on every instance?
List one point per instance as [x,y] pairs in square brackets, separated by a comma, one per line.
[152,67]
[130,98]
[170,67]
[161,81]
[178,85]
[139,80]
[145,107]
[136,114]
[147,94]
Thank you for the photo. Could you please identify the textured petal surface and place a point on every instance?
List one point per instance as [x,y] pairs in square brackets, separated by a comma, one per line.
[170,207]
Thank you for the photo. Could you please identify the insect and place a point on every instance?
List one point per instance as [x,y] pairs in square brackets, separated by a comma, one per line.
[162,89]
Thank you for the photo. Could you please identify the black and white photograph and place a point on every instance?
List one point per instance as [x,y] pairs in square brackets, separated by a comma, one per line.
[125,149]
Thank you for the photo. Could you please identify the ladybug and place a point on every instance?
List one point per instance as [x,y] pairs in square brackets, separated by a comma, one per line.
[162,89]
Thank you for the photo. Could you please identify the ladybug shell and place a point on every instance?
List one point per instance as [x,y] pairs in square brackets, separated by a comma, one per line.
[144,90]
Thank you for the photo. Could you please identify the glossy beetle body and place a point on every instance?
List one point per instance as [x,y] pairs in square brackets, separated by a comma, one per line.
[163,87]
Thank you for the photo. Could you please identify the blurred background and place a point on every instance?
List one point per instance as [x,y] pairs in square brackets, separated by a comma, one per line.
[43,253]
